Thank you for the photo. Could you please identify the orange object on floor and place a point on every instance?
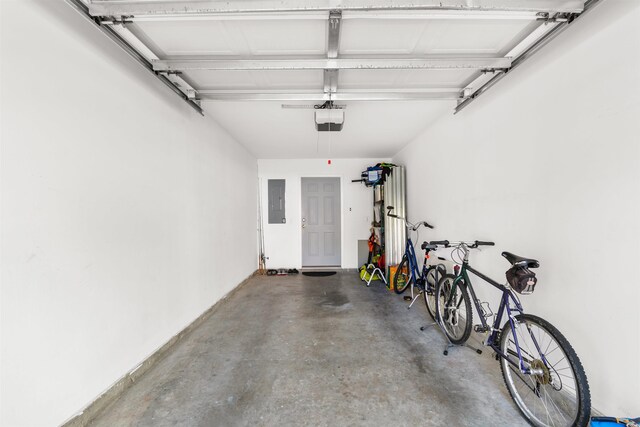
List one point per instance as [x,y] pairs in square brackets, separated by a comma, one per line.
[392,274]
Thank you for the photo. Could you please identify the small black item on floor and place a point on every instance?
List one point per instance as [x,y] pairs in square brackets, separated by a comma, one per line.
[272,272]
[318,273]
[292,271]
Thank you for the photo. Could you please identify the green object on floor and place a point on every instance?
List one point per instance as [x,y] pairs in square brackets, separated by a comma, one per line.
[365,274]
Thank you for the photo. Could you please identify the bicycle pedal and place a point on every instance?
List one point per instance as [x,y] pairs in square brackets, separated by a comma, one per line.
[480,329]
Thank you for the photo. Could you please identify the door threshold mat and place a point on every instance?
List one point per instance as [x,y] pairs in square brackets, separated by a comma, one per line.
[318,273]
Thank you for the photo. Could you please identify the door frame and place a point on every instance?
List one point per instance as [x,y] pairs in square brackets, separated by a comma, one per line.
[299,218]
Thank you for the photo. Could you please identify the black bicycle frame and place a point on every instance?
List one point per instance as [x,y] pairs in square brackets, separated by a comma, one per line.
[505,306]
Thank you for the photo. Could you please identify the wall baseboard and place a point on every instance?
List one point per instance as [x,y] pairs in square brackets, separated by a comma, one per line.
[91,411]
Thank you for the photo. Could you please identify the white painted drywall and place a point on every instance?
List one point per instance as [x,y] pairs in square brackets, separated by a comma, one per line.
[283,244]
[547,164]
[125,214]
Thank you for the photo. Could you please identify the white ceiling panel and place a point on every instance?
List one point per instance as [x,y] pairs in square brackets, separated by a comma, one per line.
[388,36]
[224,79]
[176,38]
[283,37]
[234,37]
[469,37]
[299,79]
[433,78]
[243,79]
[360,79]
[394,79]
[431,36]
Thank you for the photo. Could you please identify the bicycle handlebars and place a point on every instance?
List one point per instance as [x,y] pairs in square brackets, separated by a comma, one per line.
[413,227]
[444,243]
[424,223]
[472,245]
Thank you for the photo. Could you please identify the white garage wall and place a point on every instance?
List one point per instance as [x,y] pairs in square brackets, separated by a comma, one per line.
[283,244]
[125,214]
[547,164]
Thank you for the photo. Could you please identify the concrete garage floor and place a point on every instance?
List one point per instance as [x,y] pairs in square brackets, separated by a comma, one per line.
[299,350]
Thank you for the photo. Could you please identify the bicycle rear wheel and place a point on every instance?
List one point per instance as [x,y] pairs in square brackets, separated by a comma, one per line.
[557,394]
[453,307]
[402,279]
[429,293]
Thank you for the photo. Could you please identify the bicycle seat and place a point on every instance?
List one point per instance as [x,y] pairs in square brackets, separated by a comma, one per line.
[518,260]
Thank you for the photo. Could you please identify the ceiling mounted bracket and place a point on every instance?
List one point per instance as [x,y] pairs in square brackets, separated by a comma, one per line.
[171,72]
[115,21]
[558,18]
[493,70]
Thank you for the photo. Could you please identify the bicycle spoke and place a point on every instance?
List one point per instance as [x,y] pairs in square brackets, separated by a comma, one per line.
[549,417]
[554,366]
[523,353]
[548,345]
[526,342]
[571,389]
[547,354]
[550,399]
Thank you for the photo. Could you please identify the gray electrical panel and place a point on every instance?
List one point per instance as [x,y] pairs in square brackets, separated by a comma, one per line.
[276,203]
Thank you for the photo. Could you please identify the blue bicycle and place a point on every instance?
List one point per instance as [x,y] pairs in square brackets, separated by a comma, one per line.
[408,273]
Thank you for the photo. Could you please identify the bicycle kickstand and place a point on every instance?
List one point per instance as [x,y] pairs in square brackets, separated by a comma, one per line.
[449,344]
[477,350]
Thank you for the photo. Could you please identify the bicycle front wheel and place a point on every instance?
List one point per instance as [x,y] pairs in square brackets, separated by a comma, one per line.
[556,392]
[453,307]
[402,278]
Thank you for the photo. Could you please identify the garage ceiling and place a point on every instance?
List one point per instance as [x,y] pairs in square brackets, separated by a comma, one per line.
[397,65]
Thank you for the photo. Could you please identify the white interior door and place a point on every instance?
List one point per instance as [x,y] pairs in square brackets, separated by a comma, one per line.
[321,222]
